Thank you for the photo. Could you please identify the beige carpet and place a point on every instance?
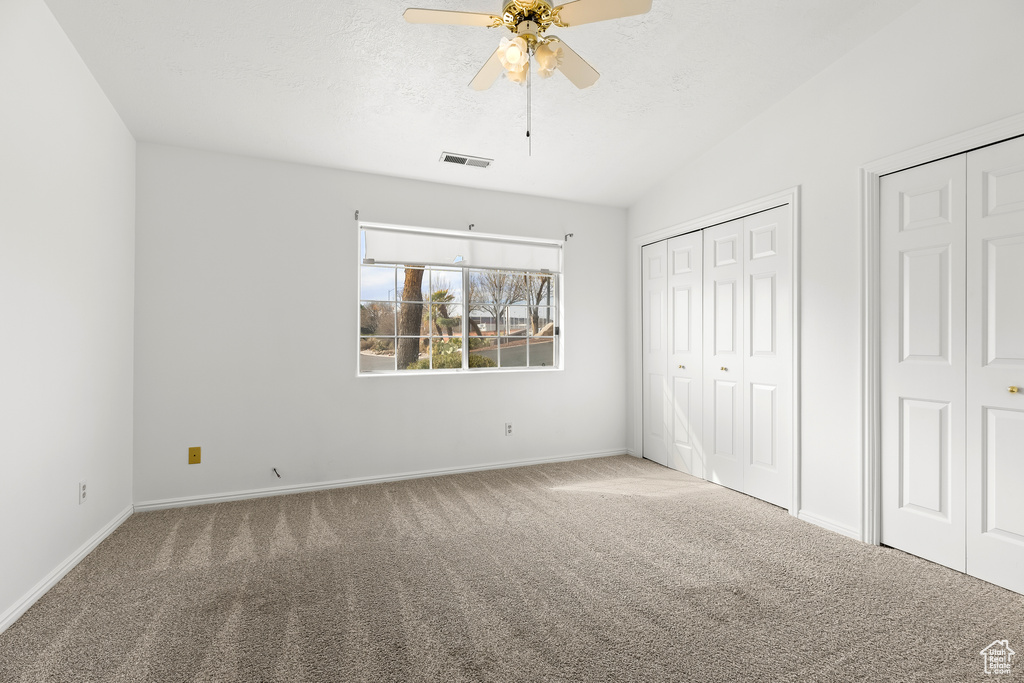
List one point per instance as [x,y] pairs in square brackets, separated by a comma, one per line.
[600,570]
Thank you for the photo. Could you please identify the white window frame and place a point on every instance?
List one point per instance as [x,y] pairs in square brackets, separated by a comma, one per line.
[557,301]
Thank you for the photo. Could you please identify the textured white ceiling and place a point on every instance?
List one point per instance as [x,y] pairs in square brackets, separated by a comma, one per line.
[351,85]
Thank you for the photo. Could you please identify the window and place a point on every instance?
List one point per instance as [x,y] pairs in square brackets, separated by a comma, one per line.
[445,301]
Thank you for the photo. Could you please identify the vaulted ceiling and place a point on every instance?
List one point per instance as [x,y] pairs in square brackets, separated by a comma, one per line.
[351,85]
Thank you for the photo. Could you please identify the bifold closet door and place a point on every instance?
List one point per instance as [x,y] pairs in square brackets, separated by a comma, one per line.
[952,350]
[723,354]
[923,360]
[672,301]
[685,352]
[749,355]
[995,348]
[718,354]
[656,404]
[768,356]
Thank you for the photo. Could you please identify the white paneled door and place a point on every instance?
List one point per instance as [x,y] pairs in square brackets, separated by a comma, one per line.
[657,406]
[723,353]
[995,348]
[923,276]
[718,354]
[768,356]
[685,352]
[952,347]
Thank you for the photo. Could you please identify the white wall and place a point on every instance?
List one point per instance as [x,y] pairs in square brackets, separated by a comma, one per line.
[944,67]
[246,332]
[67,179]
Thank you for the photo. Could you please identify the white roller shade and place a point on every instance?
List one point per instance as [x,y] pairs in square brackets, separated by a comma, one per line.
[419,246]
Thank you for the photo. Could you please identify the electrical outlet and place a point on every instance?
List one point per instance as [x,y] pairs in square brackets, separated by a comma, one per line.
[508,429]
[82,492]
[194,455]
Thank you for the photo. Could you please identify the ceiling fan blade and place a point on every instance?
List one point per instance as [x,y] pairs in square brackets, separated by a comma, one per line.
[589,11]
[442,16]
[574,67]
[488,73]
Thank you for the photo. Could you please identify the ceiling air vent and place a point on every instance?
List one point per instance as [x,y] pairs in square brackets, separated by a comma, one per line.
[465,160]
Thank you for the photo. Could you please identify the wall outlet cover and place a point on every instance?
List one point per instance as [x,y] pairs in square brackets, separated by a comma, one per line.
[194,455]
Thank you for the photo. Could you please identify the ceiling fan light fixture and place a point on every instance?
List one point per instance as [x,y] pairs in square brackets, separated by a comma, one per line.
[549,58]
[518,75]
[514,53]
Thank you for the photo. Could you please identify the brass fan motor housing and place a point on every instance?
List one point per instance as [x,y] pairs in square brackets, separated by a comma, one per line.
[540,12]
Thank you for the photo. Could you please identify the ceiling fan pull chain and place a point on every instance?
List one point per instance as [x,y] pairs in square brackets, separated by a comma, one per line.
[529,108]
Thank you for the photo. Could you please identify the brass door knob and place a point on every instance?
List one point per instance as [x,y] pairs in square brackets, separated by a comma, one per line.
[1014,390]
[682,367]
[725,369]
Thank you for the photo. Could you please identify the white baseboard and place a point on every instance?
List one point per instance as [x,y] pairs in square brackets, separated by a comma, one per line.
[830,525]
[342,483]
[14,612]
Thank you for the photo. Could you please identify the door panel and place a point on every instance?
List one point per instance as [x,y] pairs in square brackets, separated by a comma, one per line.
[924,307]
[995,338]
[723,362]
[1004,305]
[725,317]
[1002,506]
[725,419]
[924,458]
[682,327]
[684,368]
[767,345]
[656,408]
[763,422]
[923,387]
[764,316]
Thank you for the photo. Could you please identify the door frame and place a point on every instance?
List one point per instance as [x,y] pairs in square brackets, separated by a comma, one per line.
[634,274]
[871,373]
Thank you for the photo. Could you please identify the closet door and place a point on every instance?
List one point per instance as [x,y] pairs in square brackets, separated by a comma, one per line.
[685,348]
[768,352]
[995,326]
[723,354]
[657,405]
[923,360]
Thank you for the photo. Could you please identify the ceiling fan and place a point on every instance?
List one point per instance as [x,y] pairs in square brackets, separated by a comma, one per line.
[528,20]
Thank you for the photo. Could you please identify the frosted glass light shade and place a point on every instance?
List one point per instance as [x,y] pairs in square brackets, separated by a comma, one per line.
[514,53]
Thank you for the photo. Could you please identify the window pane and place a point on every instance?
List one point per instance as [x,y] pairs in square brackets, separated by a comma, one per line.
[376,318]
[513,352]
[413,283]
[540,290]
[542,321]
[412,319]
[377,283]
[483,352]
[376,354]
[476,287]
[446,354]
[517,288]
[446,319]
[412,353]
[542,352]
[482,322]
[496,287]
[445,285]
[513,321]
